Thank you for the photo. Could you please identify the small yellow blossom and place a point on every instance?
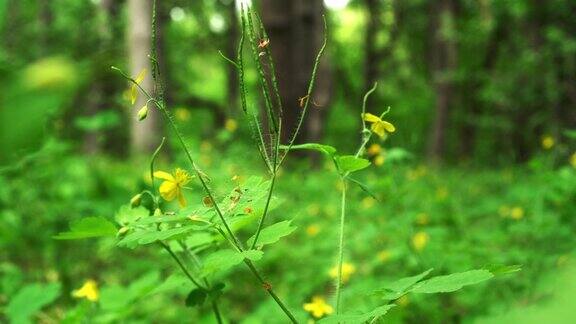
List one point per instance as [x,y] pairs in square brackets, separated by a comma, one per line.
[420,240]
[312,230]
[172,186]
[182,114]
[548,142]
[517,213]
[384,255]
[347,270]
[379,126]
[573,160]
[379,160]
[422,219]
[134,87]
[89,291]
[231,125]
[374,149]
[318,307]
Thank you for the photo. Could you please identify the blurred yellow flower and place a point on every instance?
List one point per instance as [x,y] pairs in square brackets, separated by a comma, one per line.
[384,255]
[379,126]
[173,184]
[231,125]
[347,270]
[134,87]
[312,230]
[205,146]
[182,114]
[548,142]
[420,240]
[318,307]
[374,149]
[517,213]
[442,193]
[573,160]
[89,291]
[379,160]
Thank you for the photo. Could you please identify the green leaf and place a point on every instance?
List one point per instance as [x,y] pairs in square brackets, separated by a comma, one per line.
[364,188]
[88,227]
[350,163]
[151,235]
[196,297]
[225,259]
[451,282]
[396,289]
[273,233]
[358,318]
[326,149]
[500,269]
[29,300]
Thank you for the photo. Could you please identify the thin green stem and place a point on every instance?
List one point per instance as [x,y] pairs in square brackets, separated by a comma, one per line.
[216,311]
[341,245]
[181,265]
[308,94]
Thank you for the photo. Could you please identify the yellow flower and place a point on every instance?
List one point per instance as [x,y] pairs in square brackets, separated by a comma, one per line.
[374,149]
[231,125]
[182,114]
[172,186]
[134,87]
[379,160]
[573,160]
[548,142]
[89,291]
[367,202]
[313,230]
[347,270]
[517,213]
[420,240]
[318,307]
[379,126]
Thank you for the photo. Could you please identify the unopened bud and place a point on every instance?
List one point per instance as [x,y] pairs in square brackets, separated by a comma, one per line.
[136,200]
[142,113]
[157,212]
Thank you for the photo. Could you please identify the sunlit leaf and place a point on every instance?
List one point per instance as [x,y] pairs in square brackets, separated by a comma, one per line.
[451,282]
[88,227]
[350,163]
[359,318]
[273,233]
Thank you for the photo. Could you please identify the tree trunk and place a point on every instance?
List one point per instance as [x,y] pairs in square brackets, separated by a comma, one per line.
[295,28]
[443,63]
[231,48]
[373,25]
[144,135]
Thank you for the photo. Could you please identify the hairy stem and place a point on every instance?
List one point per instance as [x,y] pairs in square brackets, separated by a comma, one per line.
[341,245]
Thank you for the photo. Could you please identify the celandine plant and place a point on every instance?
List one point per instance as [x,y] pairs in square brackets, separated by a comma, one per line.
[203,238]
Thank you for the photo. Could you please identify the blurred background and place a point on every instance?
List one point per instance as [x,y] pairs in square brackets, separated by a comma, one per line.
[481,169]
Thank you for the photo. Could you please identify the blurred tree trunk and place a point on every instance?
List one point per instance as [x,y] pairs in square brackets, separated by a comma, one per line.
[443,60]
[232,37]
[371,72]
[296,32]
[144,135]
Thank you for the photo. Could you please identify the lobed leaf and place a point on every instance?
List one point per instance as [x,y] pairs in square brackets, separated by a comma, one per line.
[88,227]
[273,233]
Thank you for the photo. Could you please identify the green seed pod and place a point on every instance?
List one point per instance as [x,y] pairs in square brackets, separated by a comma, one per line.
[142,113]
[136,200]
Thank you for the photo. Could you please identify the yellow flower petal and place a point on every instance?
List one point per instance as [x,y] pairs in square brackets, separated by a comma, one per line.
[140,76]
[388,126]
[133,94]
[370,118]
[181,199]
[164,176]
[168,190]
[378,128]
[89,291]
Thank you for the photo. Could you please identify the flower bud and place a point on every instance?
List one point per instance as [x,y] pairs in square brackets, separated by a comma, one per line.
[136,200]
[142,113]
